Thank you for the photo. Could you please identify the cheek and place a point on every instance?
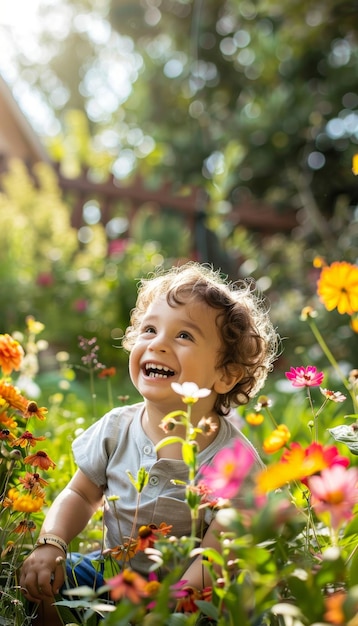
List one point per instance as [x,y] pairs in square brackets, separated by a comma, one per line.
[134,357]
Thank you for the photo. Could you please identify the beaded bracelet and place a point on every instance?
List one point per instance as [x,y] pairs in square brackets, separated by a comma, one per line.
[52,540]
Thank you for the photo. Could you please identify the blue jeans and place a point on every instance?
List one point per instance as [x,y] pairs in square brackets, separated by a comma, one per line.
[81,571]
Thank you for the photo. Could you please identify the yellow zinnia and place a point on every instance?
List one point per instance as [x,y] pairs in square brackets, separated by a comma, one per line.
[337,287]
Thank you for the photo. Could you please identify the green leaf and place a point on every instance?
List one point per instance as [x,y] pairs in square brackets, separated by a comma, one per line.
[347,435]
[353,570]
[141,481]
[352,527]
[208,609]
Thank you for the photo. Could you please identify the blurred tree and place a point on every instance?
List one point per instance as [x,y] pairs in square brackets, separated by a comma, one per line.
[168,85]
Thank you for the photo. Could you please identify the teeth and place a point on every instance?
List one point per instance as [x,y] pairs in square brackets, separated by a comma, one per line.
[155,375]
[154,370]
[154,366]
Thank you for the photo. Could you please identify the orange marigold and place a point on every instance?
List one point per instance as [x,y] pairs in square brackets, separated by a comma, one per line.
[12,396]
[24,503]
[337,287]
[11,354]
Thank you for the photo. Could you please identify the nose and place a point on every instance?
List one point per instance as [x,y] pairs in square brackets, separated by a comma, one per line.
[159,343]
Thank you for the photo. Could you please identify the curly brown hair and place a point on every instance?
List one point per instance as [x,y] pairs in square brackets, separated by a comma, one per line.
[249,340]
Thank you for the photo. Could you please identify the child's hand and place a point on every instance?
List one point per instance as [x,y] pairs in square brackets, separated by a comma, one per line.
[42,573]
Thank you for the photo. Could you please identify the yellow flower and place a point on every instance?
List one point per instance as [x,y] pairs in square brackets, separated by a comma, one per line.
[354,323]
[337,287]
[33,325]
[355,164]
[278,438]
[24,503]
[319,262]
[254,419]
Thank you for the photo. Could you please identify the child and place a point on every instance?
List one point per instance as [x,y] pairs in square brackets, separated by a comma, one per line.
[189,325]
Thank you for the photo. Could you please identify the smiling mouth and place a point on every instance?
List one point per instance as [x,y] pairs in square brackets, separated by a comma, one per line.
[157,371]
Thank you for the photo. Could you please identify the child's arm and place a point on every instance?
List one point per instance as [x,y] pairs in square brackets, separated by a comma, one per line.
[68,515]
[197,575]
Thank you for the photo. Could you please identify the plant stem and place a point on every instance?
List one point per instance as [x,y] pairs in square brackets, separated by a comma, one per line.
[333,362]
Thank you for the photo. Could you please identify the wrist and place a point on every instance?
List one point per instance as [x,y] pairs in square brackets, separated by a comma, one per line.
[49,539]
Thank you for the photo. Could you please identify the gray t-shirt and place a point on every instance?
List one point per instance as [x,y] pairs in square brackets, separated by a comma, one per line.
[116,444]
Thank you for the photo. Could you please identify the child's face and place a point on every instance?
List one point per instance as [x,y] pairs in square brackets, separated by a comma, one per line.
[176,344]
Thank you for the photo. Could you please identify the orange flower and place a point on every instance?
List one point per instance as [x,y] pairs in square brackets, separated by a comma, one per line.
[26,439]
[25,526]
[28,504]
[6,435]
[278,438]
[7,420]
[297,465]
[148,535]
[32,409]
[123,552]
[12,396]
[40,459]
[11,354]
[337,287]
[24,503]
[334,608]
[107,372]
[32,481]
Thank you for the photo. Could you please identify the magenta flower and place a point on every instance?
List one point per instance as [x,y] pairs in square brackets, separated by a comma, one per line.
[305,376]
[335,491]
[228,470]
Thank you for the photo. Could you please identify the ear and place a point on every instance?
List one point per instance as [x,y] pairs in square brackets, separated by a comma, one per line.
[227,379]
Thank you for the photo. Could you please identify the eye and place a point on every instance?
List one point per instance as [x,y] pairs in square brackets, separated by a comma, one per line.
[147,330]
[185,335]
[150,330]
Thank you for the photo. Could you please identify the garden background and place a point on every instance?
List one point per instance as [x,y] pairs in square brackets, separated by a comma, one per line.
[245,110]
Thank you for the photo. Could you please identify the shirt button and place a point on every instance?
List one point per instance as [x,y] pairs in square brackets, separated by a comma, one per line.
[147,449]
[153,480]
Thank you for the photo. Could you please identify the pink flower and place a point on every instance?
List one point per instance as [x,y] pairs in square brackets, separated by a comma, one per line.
[305,376]
[228,470]
[335,491]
